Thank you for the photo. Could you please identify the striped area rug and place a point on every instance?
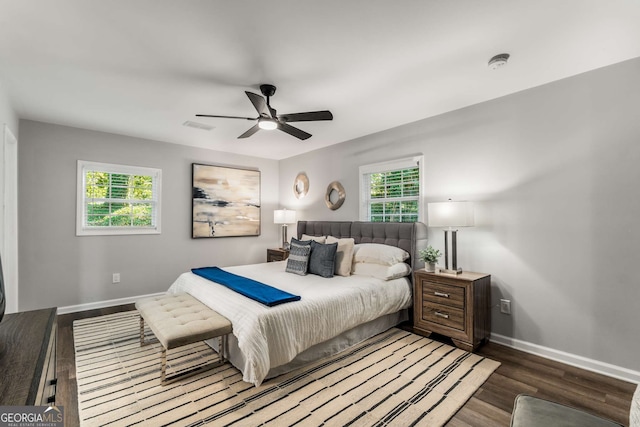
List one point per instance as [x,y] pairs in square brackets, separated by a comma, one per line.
[395,378]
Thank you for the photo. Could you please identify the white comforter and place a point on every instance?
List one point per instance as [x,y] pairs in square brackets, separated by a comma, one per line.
[273,336]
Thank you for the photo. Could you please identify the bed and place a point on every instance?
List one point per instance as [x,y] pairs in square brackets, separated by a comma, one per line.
[332,315]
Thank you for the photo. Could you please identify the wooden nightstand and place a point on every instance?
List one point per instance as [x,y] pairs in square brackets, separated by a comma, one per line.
[277,254]
[457,306]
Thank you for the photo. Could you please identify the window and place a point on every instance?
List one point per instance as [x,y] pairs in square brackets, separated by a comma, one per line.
[390,191]
[117,199]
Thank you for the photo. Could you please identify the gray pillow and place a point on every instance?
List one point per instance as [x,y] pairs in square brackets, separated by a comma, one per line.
[298,261]
[322,259]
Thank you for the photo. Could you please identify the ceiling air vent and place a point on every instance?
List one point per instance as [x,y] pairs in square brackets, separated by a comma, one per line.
[198,125]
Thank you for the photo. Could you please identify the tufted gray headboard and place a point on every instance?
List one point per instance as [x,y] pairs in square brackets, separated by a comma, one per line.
[410,236]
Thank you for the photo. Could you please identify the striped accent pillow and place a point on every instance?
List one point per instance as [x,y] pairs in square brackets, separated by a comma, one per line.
[298,261]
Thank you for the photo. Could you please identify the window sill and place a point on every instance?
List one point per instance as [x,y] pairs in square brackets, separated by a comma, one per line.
[116,231]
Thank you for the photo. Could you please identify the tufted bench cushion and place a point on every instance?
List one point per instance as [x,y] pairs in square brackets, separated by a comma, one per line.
[180,319]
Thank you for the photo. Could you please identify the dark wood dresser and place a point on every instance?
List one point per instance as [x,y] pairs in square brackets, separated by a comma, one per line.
[457,306]
[28,358]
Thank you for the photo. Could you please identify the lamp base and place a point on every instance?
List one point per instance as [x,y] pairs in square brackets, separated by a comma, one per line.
[285,241]
[448,271]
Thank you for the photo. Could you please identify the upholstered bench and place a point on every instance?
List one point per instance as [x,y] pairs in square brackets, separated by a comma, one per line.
[180,319]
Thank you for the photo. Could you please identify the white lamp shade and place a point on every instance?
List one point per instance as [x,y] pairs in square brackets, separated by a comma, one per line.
[284,216]
[450,214]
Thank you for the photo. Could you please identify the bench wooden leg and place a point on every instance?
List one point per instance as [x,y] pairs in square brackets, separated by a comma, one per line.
[141,331]
[163,375]
[222,349]
[143,340]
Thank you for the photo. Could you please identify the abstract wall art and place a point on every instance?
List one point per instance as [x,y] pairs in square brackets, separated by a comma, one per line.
[226,201]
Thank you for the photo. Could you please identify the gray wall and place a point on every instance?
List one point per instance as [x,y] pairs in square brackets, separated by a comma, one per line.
[57,268]
[554,174]
[7,114]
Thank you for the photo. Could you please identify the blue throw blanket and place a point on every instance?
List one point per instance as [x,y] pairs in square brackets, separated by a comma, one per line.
[265,294]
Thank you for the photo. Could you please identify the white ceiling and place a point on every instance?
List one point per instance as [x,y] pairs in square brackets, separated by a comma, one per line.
[143,67]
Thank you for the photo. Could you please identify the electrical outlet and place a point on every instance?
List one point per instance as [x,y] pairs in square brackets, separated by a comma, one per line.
[505,306]
[116,277]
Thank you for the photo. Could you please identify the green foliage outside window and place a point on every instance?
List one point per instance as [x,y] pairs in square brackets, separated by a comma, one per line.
[118,200]
[395,195]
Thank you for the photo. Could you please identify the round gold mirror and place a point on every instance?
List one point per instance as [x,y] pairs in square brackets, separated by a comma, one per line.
[301,185]
[334,198]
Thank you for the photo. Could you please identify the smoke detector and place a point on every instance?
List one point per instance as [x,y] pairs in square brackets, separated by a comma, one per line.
[498,61]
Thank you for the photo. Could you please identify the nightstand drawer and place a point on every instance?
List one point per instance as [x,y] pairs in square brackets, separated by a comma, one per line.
[443,315]
[442,293]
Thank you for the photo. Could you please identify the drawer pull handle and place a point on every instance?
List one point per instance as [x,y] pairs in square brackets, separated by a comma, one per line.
[441,294]
[444,316]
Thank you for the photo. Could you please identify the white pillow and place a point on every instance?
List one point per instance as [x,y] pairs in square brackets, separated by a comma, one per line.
[379,254]
[319,239]
[382,271]
[344,255]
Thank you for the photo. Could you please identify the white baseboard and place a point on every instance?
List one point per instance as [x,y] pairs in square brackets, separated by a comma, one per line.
[570,359]
[103,304]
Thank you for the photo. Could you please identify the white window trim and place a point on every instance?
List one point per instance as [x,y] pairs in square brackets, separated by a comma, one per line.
[83,230]
[403,163]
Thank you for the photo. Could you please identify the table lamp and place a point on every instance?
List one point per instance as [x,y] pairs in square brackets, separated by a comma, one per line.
[284,217]
[450,215]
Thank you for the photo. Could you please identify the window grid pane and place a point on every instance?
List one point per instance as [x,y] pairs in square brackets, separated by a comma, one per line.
[394,195]
[119,200]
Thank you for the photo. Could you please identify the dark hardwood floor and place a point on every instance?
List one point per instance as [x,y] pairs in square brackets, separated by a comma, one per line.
[521,372]
[490,406]
[67,387]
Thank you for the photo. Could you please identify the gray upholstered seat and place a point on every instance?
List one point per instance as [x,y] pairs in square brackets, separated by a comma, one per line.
[529,411]
[180,319]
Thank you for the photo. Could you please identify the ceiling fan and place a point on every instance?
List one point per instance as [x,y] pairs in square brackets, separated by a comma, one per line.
[268,118]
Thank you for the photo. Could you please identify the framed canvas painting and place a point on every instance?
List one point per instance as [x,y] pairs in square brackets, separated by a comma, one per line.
[226,201]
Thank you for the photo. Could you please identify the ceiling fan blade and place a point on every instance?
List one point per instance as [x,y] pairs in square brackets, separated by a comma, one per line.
[250,132]
[310,116]
[259,104]
[298,133]
[227,117]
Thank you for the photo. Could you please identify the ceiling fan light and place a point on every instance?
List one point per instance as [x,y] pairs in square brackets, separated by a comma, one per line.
[267,124]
